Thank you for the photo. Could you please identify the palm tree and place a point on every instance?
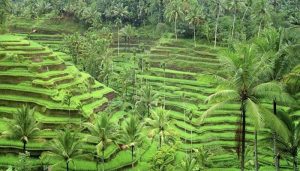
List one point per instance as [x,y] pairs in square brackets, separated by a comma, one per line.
[271,42]
[195,17]
[147,97]
[67,96]
[163,65]
[23,126]
[290,145]
[218,8]
[158,125]
[244,71]
[174,12]
[131,135]
[65,147]
[261,9]
[235,6]
[190,115]
[103,132]
[119,11]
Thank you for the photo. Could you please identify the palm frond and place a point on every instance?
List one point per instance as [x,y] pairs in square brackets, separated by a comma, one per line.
[211,110]
[276,124]
[254,113]
[222,95]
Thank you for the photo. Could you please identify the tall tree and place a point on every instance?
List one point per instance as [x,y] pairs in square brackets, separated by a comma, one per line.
[290,145]
[65,147]
[174,12]
[158,125]
[244,72]
[269,42]
[261,12]
[103,132]
[235,6]
[147,98]
[195,17]
[131,135]
[119,12]
[218,7]
[23,126]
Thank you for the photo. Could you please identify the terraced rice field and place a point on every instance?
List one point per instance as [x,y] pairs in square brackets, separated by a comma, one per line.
[35,75]
[184,76]
[41,76]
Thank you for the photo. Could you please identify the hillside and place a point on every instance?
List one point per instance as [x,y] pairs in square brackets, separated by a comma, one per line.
[149,85]
[35,75]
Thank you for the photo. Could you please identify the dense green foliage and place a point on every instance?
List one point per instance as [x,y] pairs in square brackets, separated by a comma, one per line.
[149,84]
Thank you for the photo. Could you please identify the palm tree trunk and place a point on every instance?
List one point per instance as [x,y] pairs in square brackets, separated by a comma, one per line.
[148,109]
[67,163]
[259,28]
[159,140]
[277,162]
[195,35]
[102,159]
[97,163]
[161,11]
[275,140]
[255,151]
[24,146]
[233,23]
[118,42]
[243,136]
[107,80]
[217,22]
[132,150]
[244,15]
[185,131]
[295,161]
[129,43]
[176,27]
[191,141]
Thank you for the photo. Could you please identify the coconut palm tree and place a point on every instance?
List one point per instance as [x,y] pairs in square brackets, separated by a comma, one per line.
[195,17]
[131,135]
[23,126]
[103,132]
[147,98]
[174,12]
[261,12]
[67,96]
[289,146]
[65,147]
[218,8]
[158,126]
[119,11]
[235,6]
[245,69]
[271,42]
[190,115]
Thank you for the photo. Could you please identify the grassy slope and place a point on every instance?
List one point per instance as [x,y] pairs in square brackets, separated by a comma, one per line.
[186,82]
[44,88]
